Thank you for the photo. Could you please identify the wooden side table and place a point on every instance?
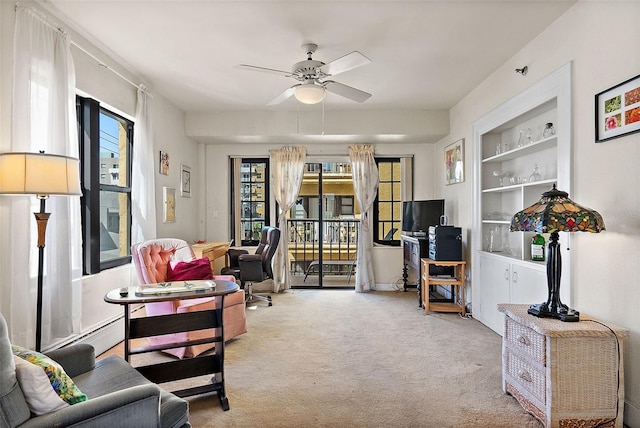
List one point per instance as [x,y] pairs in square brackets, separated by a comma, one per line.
[456,281]
[566,374]
[136,328]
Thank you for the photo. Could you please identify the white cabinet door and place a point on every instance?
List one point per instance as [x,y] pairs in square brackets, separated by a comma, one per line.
[528,284]
[495,274]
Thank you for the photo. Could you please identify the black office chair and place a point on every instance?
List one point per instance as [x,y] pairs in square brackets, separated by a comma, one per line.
[250,268]
[390,233]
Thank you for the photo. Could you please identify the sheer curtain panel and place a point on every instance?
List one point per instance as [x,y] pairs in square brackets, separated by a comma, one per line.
[143,198]
[287,171]
[365,184]
[43,118]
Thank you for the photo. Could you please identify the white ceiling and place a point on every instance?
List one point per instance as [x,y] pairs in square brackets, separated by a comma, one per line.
[425,55]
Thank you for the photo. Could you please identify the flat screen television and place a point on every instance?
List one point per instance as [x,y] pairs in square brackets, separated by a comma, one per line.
[417,216]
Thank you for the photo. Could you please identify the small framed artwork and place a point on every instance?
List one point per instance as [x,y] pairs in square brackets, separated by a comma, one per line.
[185,181]
[618,110]
[169,199]
[164,163]
[454,162]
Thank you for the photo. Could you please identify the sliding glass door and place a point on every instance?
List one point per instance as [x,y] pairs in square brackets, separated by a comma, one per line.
[323,228]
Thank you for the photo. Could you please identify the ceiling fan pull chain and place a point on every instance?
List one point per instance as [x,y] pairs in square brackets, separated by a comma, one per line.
[322,117]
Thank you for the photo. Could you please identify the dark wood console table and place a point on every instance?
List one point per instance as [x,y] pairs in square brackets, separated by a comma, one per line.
[413,249]
[212,363]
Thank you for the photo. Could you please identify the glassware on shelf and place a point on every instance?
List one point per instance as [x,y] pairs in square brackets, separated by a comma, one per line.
[499,175]
[504,230]
[521,139]
[529,135]
[493,239]
[498,148]
[548,131]
[518,180]
[535,175]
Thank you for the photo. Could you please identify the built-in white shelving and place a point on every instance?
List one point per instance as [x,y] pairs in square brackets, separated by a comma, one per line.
[504,184]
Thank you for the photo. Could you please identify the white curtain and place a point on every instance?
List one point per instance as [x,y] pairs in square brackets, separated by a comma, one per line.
[143,198]
[287,171]
[43,118]
[365,184]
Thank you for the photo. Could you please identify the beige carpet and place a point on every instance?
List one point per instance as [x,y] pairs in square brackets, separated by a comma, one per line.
[336,358]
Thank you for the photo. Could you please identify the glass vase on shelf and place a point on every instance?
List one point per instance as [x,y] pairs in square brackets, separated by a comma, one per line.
[549,130]
[504,232]
[535,175]
[521,139]
[493,239]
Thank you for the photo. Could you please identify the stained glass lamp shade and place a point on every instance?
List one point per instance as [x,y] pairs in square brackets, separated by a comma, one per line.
[554,213]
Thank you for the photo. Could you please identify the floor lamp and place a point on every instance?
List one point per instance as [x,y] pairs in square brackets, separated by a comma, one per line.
[554,213]
[42,175]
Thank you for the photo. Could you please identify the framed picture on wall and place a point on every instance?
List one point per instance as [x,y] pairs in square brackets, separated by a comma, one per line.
[164,163]
[454,162]
[185,181]
[618,110]
[169,199]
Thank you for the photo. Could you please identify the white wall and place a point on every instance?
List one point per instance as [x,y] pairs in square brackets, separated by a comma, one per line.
[606,176]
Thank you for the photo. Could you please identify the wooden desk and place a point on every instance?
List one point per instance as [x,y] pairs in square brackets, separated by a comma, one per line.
[211,250]
[136,328]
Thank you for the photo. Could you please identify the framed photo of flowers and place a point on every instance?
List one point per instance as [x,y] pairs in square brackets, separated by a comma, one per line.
[454,162]
[164,163]
[618,110]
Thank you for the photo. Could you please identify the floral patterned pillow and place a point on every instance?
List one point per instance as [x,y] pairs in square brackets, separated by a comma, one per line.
[60,381]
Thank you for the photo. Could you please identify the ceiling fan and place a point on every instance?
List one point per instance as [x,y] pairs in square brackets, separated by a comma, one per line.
[312,74]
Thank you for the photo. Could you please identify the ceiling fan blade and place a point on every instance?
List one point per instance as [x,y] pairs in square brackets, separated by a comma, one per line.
[346,91]
[263,69]
[283,96]
[348,62]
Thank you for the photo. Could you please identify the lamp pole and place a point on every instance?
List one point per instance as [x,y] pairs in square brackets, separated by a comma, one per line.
[42,218]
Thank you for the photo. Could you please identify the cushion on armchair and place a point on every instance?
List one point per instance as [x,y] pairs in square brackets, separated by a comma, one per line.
[37,390]
[58,378]
[195,269]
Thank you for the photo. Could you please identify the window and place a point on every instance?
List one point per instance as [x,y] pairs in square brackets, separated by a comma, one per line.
[250,178]
[105,138]
[387,207]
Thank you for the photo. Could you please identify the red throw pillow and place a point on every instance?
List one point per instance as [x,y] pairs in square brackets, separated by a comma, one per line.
[195,269]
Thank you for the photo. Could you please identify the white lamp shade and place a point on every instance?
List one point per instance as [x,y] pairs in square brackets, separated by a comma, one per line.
[39,174]
[310,93]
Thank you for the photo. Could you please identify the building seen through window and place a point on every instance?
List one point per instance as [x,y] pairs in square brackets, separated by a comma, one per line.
[252,177]
[106,147]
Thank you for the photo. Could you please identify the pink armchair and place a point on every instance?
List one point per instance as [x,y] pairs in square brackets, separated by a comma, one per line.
[151,260]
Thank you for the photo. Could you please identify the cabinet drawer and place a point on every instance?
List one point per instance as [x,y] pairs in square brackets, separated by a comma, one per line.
[527,341]
[530,377]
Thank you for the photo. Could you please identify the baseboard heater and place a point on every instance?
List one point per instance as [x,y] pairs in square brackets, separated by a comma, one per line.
[102,337]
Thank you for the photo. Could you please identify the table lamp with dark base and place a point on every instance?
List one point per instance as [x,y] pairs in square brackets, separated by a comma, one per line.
[554,213]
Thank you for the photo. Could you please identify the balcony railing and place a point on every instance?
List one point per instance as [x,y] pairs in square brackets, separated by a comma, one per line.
[337,241]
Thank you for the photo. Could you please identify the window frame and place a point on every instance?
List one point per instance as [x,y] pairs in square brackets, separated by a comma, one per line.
[236,195]
[88,112]
[376,211]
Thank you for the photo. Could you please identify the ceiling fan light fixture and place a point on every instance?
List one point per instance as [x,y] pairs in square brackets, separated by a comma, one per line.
[310,93]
